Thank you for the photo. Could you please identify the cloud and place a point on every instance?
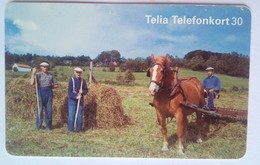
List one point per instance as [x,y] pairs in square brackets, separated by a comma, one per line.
[179,39]
[62,29]
[231,38]
[25,25]
[76,29]
[10,28]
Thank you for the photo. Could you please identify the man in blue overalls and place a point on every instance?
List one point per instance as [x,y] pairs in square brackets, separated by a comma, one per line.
[76,90]
[211,86]
[45,83]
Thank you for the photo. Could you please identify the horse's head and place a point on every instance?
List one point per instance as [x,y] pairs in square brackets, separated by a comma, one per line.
[157,73]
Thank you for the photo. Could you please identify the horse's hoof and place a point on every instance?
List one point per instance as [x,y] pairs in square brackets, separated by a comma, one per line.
[199,140]
[180,152]
[165,148]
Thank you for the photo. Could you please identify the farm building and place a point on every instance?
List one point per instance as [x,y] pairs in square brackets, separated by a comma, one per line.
[21,68]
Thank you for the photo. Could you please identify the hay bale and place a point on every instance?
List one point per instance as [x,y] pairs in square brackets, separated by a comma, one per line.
[21,101]
[102,106]
[60,105]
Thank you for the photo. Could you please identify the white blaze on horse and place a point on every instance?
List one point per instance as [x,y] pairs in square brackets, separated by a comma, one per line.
[169,92]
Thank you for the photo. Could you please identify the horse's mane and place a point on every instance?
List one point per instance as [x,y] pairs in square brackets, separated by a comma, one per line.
[164,61]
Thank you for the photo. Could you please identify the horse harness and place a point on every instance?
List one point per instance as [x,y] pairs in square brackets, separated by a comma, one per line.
[175,89]
[164,74]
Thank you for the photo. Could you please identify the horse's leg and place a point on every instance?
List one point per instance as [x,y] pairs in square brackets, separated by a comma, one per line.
[162,121]
[164,133]
[185,128]
[180,132]
[198,126]
[159,119]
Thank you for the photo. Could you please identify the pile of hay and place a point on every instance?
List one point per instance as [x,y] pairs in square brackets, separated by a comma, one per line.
[102,105]
[19,98]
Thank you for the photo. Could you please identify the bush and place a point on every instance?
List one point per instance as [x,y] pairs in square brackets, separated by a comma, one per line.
[127,79]
[122,67]
[112,67]
[120,79]
[137,65]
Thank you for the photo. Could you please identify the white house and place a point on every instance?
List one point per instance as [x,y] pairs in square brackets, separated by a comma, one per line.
[21,68]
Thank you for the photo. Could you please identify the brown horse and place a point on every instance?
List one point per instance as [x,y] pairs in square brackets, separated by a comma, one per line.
[163,79]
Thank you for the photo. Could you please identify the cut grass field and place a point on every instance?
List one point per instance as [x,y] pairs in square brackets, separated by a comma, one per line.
[140,139]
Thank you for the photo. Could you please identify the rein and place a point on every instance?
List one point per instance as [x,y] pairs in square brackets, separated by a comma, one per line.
[175,88]
[166,88]
[164,75]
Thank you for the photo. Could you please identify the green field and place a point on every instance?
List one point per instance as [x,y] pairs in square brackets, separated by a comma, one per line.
[140,139]
[228,82]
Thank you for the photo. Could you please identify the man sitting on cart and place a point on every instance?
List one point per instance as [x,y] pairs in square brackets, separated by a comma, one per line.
[211,86]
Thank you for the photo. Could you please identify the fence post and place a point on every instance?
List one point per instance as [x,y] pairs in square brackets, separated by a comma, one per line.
[90,71]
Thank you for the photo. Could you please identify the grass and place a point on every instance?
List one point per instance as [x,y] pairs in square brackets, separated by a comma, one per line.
[140,139]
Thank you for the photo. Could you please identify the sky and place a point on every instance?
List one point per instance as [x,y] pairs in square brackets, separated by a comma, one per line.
[135,30]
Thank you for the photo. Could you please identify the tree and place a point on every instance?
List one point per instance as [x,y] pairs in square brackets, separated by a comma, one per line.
[233,64]
[115,56]
[211,62]
[197,63]
[137,65]
[175,60]
[106,57]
